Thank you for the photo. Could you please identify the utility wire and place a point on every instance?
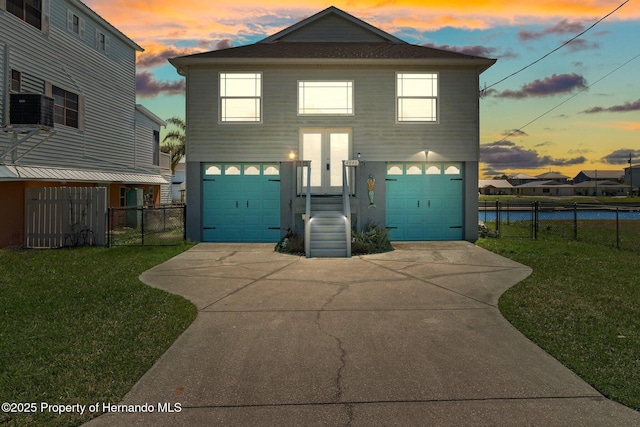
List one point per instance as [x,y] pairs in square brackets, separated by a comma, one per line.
[568,99]
[558,48]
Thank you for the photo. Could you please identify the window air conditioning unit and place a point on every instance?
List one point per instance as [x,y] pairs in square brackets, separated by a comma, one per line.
[31,109]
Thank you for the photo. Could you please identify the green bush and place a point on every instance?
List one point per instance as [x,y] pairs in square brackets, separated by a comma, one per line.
[370,240]
[292,243]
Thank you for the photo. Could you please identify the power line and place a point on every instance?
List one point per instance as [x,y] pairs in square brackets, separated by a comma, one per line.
[558,48]
[568,99]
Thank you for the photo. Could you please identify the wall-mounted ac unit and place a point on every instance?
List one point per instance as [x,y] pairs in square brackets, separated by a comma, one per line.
[31,109]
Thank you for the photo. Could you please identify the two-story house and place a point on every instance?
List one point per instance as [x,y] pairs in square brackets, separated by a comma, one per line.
[72,74]
[275,128]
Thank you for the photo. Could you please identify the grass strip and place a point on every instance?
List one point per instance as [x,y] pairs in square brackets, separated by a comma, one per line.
[581,304]
[78,327]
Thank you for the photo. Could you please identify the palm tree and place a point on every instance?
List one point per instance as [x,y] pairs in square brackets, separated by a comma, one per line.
[174,141]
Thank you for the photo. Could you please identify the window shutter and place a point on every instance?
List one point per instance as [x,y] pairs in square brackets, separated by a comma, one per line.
[97,39]
[81,28]
[45,16]
[107,44]
[69,21]
[80,112]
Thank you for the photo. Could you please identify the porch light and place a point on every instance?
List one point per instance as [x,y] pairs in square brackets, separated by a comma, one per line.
[292,155]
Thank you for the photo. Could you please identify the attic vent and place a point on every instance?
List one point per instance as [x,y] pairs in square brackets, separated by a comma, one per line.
[31,109]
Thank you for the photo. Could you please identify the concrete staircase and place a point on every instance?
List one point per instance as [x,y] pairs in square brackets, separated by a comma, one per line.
[328,237]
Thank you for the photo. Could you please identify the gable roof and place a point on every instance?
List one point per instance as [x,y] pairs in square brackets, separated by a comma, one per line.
[495,183]
[602,174]
[325,14]
[551,175]
[107,24]
[332,36]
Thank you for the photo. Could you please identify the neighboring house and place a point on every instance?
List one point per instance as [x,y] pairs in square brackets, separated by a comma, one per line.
[553,176]
[178,184]
[601,188]
[60,52]
[544,188]
[329,89]
[521,178]
[147,152]
[632,176]
[495,187]
[599,175]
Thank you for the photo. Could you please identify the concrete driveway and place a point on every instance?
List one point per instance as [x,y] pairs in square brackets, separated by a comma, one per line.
[410,337]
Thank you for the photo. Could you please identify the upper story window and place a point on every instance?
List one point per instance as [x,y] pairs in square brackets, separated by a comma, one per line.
[75,24]
[16,81]
[241,97]
[417,97]
[156,148]
[66,107]
[325,98]
[103,42]
[30,11]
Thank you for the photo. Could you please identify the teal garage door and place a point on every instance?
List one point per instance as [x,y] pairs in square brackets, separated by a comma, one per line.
[241,202]
[424,201]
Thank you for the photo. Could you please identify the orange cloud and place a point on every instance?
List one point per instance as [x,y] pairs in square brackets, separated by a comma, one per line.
[198,20]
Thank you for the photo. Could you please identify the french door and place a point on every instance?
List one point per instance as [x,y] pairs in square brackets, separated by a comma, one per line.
[326,148]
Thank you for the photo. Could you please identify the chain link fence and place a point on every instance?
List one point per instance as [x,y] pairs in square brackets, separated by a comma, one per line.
[142,226]
[617,226]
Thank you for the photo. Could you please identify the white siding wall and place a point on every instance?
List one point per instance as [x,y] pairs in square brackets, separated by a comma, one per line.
[376,135]
[105,83]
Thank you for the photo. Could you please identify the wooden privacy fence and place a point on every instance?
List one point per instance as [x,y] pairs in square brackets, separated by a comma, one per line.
[65,216]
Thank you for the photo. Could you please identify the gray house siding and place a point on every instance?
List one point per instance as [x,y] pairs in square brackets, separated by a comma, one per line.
[332,29]
[105,83]
[347,50]
[376,135]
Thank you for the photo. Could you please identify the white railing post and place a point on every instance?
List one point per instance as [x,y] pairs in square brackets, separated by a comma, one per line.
[346,207]
[307,211]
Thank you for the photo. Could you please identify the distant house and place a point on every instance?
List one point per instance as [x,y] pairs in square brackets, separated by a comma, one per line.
[327,98]
[495,187]
[68,110]
[553,176]
[178,184]
[520,178]
[599,175]
[544,188]
[601,188]
[632,176]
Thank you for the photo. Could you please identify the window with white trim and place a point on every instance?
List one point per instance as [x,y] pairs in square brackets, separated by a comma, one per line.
[241,97]
[75,24]
[325,97]
[103,42]
[417,97]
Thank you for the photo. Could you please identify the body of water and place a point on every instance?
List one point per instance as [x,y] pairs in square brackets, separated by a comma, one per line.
[558,215]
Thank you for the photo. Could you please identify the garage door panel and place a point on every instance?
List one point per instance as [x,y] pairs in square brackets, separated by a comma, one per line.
[243,206]
[427,206]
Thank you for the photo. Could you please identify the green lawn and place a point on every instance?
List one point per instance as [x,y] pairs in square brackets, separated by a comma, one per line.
[582,305]
[78,327]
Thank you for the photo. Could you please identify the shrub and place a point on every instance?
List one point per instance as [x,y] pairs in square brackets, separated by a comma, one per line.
[370,240]
[291,243]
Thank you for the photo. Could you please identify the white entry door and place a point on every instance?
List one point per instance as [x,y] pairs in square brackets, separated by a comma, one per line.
[326,149]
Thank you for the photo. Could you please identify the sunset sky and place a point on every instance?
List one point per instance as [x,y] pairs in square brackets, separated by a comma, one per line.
[578,108]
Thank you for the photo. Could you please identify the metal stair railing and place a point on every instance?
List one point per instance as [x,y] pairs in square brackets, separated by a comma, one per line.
[307,211]
[346,207]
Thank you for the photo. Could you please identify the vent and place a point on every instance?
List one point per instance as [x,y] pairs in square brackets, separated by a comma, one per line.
[31,109]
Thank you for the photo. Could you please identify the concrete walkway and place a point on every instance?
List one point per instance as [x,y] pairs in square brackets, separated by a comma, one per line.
[407,338]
